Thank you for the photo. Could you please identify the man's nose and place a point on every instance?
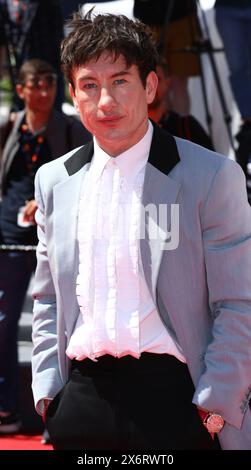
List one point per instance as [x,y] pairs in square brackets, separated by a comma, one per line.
[106,99]
[44,91]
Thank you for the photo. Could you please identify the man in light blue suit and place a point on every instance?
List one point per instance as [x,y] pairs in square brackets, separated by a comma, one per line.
[142,313]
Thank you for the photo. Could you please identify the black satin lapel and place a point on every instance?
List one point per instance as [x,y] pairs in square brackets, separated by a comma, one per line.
[163,152]
[79,159]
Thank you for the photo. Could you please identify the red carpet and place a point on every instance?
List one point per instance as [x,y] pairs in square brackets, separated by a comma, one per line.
[22,442]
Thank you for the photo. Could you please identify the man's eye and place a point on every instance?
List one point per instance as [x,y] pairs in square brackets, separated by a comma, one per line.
[88,86]
[119,81]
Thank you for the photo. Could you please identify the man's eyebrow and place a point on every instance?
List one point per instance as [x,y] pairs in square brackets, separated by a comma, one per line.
[114,75]
[85,77]
[122,72]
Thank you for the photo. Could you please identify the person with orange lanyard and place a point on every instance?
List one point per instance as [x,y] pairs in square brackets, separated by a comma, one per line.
[32,137]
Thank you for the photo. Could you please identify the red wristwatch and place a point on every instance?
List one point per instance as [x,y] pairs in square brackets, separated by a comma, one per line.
[212,421]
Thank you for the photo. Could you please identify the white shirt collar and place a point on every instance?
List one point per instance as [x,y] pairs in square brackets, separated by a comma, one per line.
[129,161]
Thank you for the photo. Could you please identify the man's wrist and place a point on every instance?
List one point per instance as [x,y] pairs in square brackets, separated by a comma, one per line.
[212,421]
[46,403]
[42,405]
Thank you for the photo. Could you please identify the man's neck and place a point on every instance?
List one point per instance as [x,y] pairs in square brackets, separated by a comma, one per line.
[117,146]
[36,121]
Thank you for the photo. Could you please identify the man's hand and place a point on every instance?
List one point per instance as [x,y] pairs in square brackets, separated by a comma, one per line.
[203,413]
[29,211]
[45,405]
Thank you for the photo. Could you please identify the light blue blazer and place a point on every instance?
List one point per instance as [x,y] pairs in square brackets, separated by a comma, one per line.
[202,289]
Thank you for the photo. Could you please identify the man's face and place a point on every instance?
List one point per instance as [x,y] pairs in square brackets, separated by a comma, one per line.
[38,91]
[112,101]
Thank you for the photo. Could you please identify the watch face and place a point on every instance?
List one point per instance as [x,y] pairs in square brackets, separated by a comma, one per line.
[214,423]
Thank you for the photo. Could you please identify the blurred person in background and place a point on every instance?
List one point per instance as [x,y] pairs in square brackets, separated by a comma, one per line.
[32,137]
[186,127]
[175,26]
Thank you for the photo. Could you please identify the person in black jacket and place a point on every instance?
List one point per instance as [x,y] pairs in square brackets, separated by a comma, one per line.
[176,28]
[186,127]
[35,136]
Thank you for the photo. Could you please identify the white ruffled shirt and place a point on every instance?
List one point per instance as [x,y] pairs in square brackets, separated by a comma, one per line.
[117,313]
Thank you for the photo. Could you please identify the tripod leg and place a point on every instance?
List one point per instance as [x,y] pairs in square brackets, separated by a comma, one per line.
[205,100]
[226,114]
[209,50]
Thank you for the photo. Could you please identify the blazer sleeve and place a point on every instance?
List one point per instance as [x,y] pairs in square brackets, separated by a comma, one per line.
[225,386]
[45,369]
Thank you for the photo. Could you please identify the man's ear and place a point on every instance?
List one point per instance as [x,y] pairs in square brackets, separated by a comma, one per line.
[73,97]
[151,86]
[19,90]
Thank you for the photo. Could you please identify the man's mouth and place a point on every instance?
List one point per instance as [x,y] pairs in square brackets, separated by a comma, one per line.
[107,119]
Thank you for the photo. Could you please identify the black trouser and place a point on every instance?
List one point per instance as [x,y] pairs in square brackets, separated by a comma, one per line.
[127,404]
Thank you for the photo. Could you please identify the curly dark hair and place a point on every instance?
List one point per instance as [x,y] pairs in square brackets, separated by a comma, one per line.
[92,35]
